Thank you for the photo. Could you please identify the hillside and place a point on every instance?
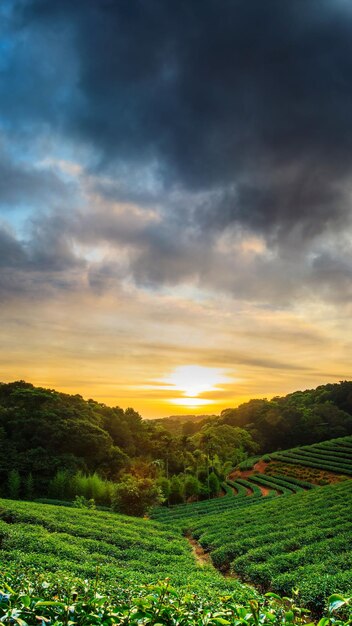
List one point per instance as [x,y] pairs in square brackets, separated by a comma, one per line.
[43,432]
[104,568]
[276,529]
[280,533]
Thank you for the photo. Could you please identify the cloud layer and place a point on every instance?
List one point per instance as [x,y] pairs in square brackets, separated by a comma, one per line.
[196,148]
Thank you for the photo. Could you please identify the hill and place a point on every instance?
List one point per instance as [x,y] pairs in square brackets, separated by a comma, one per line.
[278,529]
[50,442]
[61,565]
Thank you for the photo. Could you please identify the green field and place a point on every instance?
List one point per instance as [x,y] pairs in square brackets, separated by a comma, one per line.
[126,550]
[333,456]
[291,535]
[268,533]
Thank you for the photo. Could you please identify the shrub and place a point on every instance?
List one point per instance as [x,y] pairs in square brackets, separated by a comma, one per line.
[135,496]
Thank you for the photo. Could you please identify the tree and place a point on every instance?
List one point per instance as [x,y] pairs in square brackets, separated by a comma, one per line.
[29,487]
[164,485]
[191,486]
[135,496]
[176,490]
[214,485]
[14,484]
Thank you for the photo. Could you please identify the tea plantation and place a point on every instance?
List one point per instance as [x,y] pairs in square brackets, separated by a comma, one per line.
[333,456]
[281,533]
[299,542]
[126,550]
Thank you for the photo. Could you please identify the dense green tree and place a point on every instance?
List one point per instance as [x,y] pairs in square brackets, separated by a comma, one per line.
[29,487]
[14,484]
[191,487]
[135,496]
[176,490]
[214,485]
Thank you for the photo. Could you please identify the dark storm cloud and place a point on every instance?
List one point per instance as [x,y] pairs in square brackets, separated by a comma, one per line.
[11,251]
[231,116]
[217,95]
[42,264]
[23,184]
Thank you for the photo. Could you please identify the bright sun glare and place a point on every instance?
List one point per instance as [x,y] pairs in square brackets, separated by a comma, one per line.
[193,380]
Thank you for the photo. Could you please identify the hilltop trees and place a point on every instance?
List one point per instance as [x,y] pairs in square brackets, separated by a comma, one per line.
[59,445]
[299,418]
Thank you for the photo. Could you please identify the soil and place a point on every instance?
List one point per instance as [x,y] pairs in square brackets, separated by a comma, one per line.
[258,467]
[202,557]
[264,490]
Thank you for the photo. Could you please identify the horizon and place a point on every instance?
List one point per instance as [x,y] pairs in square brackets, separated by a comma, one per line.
[184,414]
[175,206]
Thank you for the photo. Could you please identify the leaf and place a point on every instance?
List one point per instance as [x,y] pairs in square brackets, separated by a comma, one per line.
[25,601]
[336,601]
[323,621]
[50,603]
[289,616]
[8,587]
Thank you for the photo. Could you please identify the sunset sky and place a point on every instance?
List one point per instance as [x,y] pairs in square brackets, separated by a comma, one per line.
[175,199]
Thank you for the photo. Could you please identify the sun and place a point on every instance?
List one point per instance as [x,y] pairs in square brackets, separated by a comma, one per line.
[194,380]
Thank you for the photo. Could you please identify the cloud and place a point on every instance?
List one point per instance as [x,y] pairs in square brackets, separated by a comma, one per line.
[209,126]
[210,94]
[26,185]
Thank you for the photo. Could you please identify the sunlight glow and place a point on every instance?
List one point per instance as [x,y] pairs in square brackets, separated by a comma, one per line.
[193,380]
[190,402]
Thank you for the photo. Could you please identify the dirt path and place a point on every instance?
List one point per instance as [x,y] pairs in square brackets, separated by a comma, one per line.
[202,558]
[258,467]
[265,490]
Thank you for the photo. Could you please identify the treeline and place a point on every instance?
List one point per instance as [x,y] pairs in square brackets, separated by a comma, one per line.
[56,445]
[300,418]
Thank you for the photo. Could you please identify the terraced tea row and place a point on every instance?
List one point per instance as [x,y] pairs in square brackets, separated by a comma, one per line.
[305,544]
[230,502]
[241,493]
[70,542]
[334,456]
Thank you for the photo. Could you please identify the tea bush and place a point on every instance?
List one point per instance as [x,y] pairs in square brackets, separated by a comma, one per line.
[126,550]
[69,602]
[307,539]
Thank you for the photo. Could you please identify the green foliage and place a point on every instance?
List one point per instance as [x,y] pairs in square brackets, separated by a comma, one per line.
[176,490]
[29,487]
[303,542]
[70,601]
[92,487]
[51,542]
[248,464]
[191,487]
[228,443]
[67,486]
[299,418]
[80,502]
[214,485]
[135,496]
[333,456]
[60,485]
[164,485]
[14,484]
[43,431]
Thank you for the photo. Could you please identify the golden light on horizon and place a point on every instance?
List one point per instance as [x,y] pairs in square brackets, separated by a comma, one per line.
[194,380]
[192,403]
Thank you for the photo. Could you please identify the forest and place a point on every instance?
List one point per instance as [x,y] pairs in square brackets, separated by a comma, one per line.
[59,446]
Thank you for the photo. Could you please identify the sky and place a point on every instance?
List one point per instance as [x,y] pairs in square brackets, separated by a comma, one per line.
[175,199]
